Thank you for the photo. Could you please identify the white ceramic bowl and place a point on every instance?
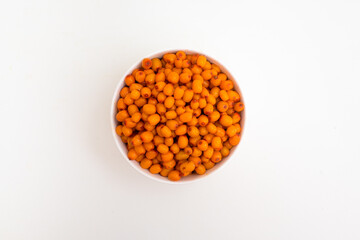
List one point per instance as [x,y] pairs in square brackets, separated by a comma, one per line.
[121,146]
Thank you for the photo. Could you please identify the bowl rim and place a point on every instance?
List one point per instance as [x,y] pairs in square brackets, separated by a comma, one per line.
[113,122]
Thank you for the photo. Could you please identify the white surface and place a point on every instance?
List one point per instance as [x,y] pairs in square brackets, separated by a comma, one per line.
[297,172]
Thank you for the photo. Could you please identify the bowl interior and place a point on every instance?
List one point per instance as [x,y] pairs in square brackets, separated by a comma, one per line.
[122,146]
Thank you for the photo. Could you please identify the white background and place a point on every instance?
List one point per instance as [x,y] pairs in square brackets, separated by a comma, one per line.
[297,174]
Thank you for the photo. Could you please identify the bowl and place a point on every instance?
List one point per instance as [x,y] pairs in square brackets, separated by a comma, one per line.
[122,147]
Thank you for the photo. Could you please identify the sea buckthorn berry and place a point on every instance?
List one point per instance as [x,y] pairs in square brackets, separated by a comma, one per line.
[149,146]
[145,92]
[169,102]
[162,148]
[149,109]
[140,149]
[178,93]
[200,169]
[208,152]
[151,154]
[165,172]
[201,61]
[175,148]
[215,91]
[122,115]
[160,108]
[169,141]
[170,115]
[233,96]
[146,63]
[205,93]
[140,102]
[224,95]
[196,152]
[169,165]
[145,163]
[135,94]
[209,165]
[216,157]
[211,128]
[174,175]
[226,120]
[206,75]
[230,111]
[183,141]
[160,77]
[227,85]
[181,130]
[203,131]
[139,158]
[222,106]
[207,65]
[168,156]
[214,116]
[234,140]
[208,137]
[186,117]
[216,143]
[178,63]
[169,67]
[196,69]
[136,117]
[188,150]
[197,112]
[156,64]
[150,79]
[215,81]
[169,58]
[211,99]
[202,145]
[187,166]
[154,119]
[129,80]
[193,131]
[156,168]
[188,95]
[239,106]
[168,89]
[195,160]
[148,71]
[208,109]
[140,76]
[126,131]
[236,117]
[165,131]
[197,86]
[238,128]
[225,152]
[132,109]
[181,156]
[202,103]
[220,132]
[146,136]
[118,130]
[173,77]
[203,120]
[231,131]
[124,91]
[181,55]
[180,109]
[194,104]
[159,86]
